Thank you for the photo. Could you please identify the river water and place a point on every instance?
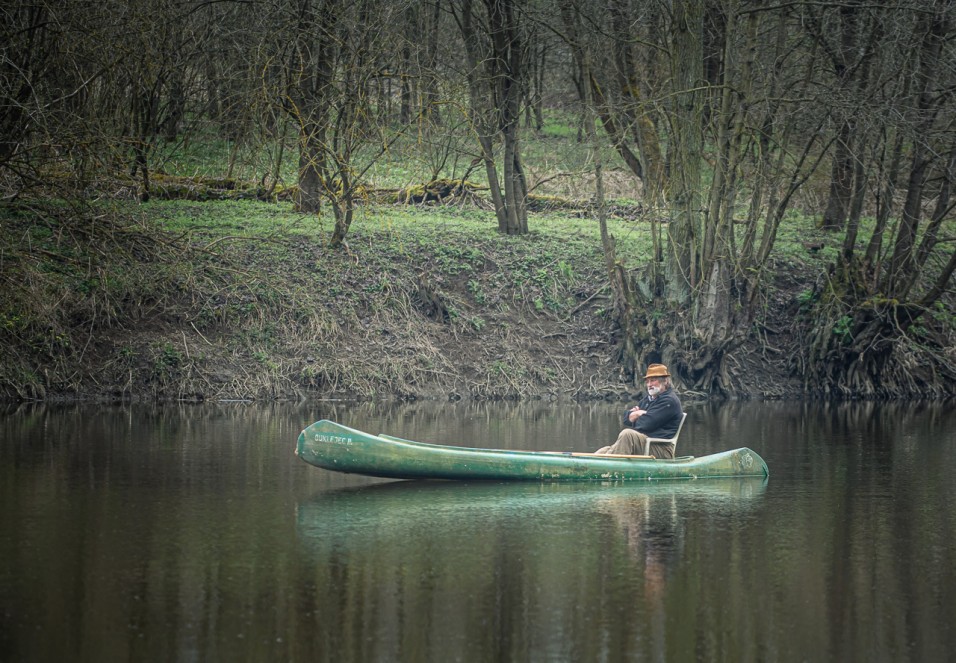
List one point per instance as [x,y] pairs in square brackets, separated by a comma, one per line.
[192,533]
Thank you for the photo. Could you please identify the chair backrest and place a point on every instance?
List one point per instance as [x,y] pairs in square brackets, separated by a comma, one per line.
[672,440]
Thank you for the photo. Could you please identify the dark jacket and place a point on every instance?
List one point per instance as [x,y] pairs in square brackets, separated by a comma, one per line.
[662,418]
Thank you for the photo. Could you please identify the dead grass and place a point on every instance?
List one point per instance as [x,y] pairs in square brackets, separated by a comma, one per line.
[242,300]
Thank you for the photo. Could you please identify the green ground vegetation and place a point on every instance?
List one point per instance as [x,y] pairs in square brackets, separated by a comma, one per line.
[243,299]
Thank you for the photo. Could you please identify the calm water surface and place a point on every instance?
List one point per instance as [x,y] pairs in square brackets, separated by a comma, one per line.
[192,533]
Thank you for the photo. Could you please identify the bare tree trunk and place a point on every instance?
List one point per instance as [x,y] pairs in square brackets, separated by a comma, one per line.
[719,259]
[626,306]
[309,193]
[944,206]
[429,84]
[311,77]
[685,178]
[902,263]
[650,167]
[613,129]
[848,51]
[855,214]
[343,209]
[479,112]
[177,108]
[890,165]
[498,95]
[537,100]
[841,181]
[410,69]
[507,59]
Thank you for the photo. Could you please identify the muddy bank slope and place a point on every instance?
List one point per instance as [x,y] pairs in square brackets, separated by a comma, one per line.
[212,301]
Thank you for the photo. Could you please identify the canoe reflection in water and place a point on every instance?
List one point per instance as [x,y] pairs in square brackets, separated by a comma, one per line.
[421,565]
[398,506]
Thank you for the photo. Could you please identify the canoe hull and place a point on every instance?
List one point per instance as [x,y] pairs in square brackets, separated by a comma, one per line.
[331,446]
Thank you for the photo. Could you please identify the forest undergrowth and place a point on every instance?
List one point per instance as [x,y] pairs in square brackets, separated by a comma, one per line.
[191,300]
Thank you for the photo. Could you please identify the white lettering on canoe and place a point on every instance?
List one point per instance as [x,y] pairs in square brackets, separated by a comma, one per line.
[333,439]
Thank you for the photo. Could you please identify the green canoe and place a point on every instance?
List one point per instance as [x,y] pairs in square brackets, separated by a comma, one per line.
[332,446]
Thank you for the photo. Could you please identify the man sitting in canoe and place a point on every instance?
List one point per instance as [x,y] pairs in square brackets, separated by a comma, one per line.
[658,415]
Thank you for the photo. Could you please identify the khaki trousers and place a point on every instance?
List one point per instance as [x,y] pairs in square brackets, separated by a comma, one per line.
[631,443]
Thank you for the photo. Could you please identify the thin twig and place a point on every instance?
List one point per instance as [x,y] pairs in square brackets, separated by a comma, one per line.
[200,333]
[587,301]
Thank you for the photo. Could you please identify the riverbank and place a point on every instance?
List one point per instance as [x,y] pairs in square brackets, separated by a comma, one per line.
[186,300]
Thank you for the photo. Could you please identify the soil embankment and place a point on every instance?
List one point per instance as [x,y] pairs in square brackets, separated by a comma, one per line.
[220,309]
[195,301]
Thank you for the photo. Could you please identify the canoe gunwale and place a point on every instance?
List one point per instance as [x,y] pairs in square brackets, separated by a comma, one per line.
[583,454]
